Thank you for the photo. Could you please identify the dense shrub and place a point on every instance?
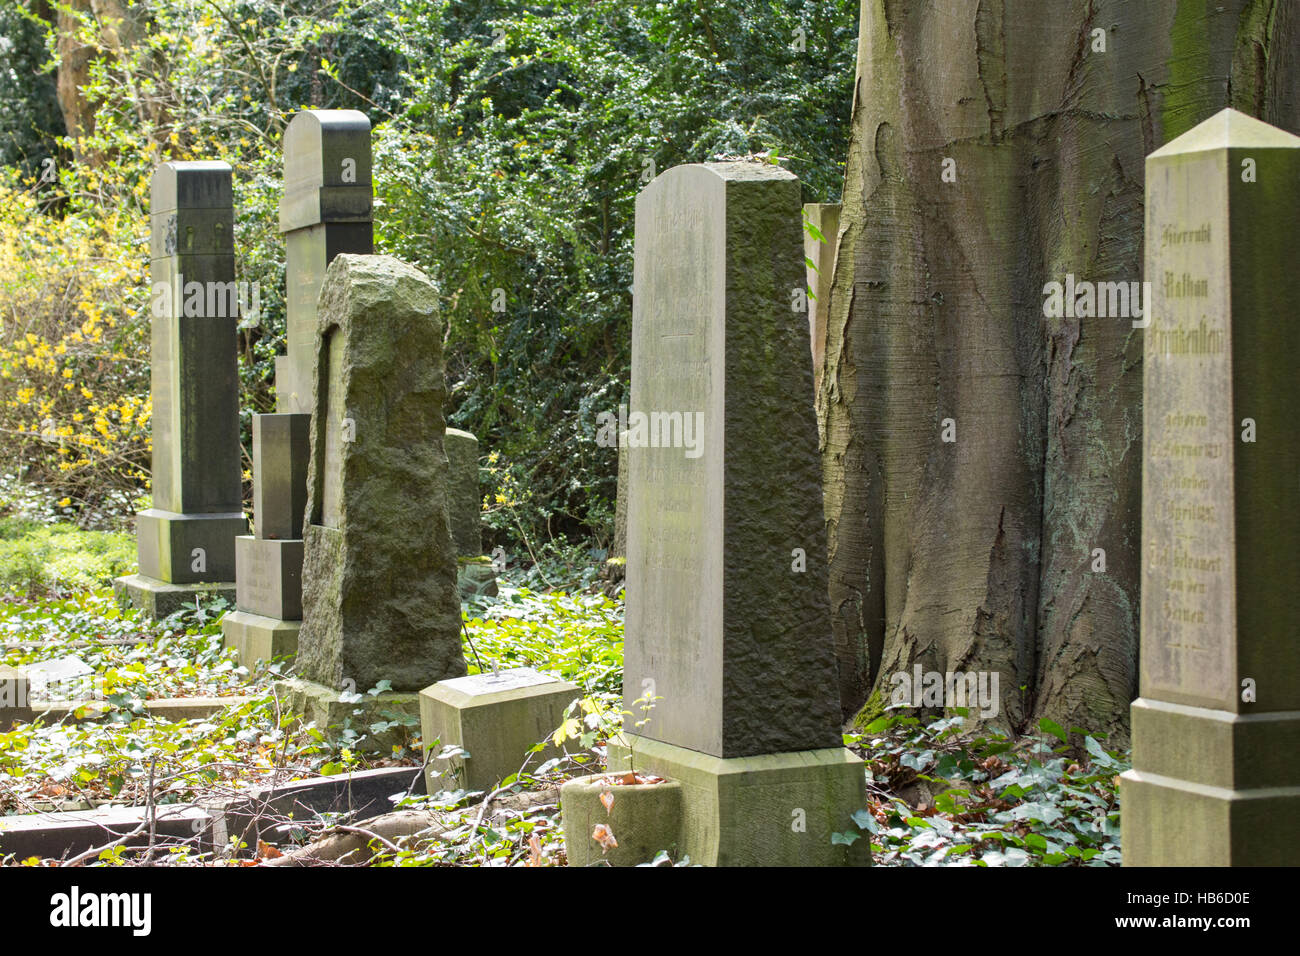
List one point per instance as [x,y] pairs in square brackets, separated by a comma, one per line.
[511,139]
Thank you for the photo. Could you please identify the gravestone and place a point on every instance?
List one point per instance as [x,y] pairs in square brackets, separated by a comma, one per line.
[475,574]
[463,498]
[379,568]
[186,541]
[494,719]
[728,621]
[825,218]
[326,210]
[268,563]
[616,563]
[1218,712]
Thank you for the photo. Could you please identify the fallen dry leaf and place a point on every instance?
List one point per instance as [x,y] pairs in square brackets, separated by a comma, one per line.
[604,836]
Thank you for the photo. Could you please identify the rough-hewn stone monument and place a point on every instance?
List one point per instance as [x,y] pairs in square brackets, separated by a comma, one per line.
[186,541]
[728,621]
[379,573]
[1218,716]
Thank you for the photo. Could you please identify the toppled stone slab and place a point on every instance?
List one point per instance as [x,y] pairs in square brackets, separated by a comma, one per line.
[65,835]
[361,795]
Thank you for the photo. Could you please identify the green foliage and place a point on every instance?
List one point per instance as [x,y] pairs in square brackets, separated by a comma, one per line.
[577,637]
[59,558]
[994,801]
[136,660]
[29,105]
[938,794]
[510,141]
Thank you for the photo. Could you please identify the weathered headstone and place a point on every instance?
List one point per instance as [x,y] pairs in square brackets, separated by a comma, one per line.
[728,622]
[326,210]
[463,498]
[825,218]
[268,563]
[1218,712]
[186,541]
[616,564]
[475,574]
[379,572]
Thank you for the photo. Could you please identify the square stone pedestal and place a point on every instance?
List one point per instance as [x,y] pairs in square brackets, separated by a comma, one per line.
[766,810]
[496,719]
[258,638]
[476,577]
[268,577]
[1199,772]
[328,709]
[169,545]
[159,599]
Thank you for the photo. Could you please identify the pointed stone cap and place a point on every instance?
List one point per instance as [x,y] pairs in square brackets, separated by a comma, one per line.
[326,169]
[1228,129]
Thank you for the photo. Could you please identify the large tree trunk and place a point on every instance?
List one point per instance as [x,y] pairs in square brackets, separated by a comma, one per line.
[119,27]
[73,73]
[978,555]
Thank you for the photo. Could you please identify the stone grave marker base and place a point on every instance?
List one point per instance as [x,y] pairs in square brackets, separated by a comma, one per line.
[768,810]
[327,708]
[15,697]
[158,599]
[258,638]
[496,719]
[1211,790]
[166,542]
[268,575]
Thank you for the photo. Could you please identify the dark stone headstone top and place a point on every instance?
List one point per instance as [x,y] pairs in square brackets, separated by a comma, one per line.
[326,169]
[281,446]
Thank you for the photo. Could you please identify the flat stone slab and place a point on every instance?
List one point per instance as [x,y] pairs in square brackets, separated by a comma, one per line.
[55,678]
[169,708]
[65,835]
[361,795]
[158,599]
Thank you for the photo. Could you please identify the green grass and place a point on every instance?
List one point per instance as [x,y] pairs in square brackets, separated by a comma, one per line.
[937,795]
[38,559]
